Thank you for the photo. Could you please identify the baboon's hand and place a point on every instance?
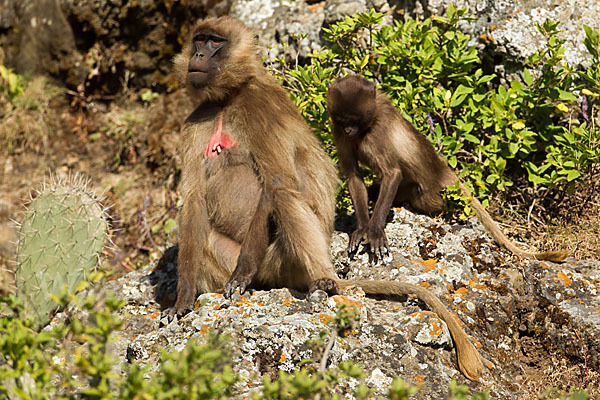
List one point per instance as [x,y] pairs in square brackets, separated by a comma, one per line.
[356,239]
[185,301]
[175,312]
[378,244]
[240,283]
[241,277]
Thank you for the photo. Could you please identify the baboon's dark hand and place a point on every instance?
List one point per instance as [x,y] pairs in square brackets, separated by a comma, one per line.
[233,284]
[241,277]
[378,244]
[185,301]
[175,312]
[356,239]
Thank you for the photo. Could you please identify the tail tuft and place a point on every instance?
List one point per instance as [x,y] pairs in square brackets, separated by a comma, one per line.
[553,256]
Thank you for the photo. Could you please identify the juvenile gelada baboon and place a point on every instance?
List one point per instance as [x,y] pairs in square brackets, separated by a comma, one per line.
[368,129]
[258,190]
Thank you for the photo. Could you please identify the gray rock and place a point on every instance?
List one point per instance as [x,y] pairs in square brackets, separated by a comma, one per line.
[555,306]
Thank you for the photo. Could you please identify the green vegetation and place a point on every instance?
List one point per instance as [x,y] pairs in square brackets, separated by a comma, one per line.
[530,133]
[11,83]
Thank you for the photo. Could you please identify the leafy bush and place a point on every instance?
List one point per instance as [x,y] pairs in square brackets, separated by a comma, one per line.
[494,134]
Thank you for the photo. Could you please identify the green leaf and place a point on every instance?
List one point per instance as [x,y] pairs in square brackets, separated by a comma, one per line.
[170,224]
[566,96]
[471,138]
[452,161]
[451,12]
[12,82]
[527,77]
[485,78]
[572,175]
[516,85]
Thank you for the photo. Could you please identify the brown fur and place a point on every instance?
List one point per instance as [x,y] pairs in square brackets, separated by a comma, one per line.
[261,213]
[410,169]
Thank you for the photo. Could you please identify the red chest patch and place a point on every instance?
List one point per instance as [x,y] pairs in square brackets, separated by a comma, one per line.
[219,141]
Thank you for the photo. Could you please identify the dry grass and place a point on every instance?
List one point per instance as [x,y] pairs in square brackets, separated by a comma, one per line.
[558,380]
[570,223]
[24,123]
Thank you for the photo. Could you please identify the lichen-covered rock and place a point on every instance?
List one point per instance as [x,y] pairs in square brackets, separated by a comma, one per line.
[498,299]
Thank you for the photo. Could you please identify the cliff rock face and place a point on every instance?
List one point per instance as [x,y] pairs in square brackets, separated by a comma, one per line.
[522,316]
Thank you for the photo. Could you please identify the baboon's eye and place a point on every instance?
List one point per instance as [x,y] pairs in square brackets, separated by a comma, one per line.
[200,39]
[216,41]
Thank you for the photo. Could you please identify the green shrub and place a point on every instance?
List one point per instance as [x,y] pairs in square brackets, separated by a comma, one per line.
[493,134]
[11,83]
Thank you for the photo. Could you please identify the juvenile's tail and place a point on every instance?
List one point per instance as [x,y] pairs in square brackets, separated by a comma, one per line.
[469,361]
[492,228]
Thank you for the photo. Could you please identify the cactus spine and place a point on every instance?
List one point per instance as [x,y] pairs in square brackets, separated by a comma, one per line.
[60,243]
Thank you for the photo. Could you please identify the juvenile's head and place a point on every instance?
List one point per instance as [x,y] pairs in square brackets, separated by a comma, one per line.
[220,55]
[351,105]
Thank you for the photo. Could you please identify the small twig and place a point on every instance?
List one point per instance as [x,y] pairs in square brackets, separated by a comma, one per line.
[124,264]
[529,212]
[328,348]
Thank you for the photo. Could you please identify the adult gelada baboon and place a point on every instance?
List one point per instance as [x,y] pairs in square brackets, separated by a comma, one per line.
[368,129]
[258,190]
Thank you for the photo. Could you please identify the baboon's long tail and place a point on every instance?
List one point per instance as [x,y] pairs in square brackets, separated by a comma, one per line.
[469,361]
[493,229]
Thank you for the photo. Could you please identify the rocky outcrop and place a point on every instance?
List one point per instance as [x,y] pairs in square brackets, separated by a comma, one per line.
[520,314]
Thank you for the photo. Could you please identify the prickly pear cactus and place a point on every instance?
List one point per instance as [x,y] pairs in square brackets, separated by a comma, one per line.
[60,243]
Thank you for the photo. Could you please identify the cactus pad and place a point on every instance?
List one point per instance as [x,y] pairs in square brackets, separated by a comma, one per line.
[60,243]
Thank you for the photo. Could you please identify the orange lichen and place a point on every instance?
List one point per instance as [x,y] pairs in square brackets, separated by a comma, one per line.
[282,358]
[420,379]
[343,300]
[463,291]
[421,314]
[204,329]
[287,302]
[425,284]
[324,318]
[436,329]
[564,279]
[155,314]
[428,265]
